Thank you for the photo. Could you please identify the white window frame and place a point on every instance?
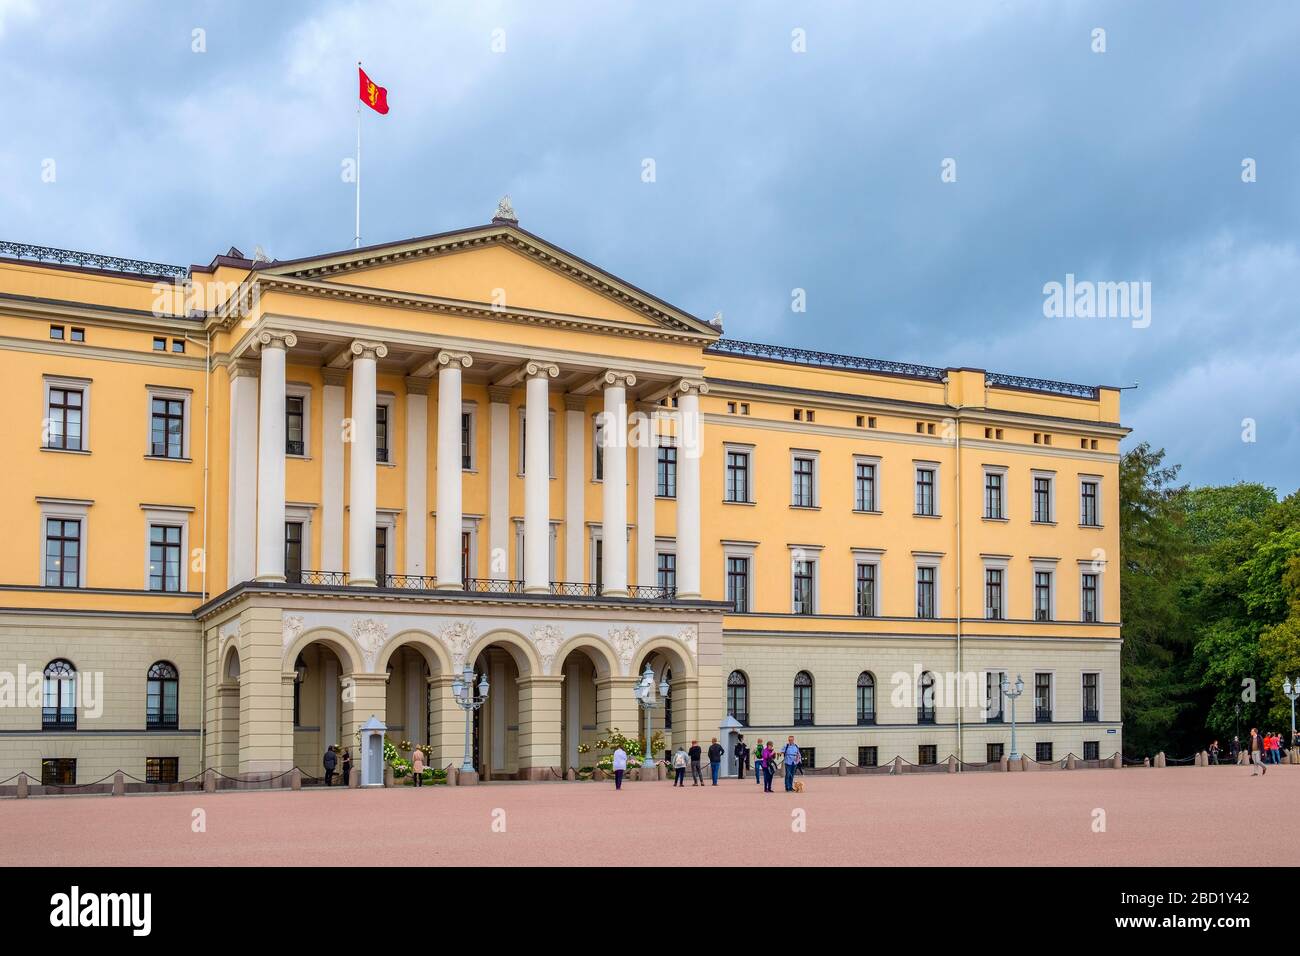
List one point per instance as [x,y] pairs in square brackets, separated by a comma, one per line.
[1041,565]
[1101,677]
[665,546]
[815,457]
[519,548]
[78,384]
[739,448]
[389,401]
[1000,470]
[169,516]
[917,467]
[1098,568]
[68,509]
[740,549]
[812,555]
[300,390]
[874,557]
[987,710]
[470,523]
[470,407]
[927,560]
[875,462]
[388,519]
[301,513]
[1051,495]
[186,396]
[1033,691]
[1095,480]
[996,563]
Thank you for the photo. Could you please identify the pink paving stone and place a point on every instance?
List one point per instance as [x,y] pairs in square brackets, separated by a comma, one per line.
[1180,816]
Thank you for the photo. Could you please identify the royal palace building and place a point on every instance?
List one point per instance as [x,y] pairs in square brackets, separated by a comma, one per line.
[249,505]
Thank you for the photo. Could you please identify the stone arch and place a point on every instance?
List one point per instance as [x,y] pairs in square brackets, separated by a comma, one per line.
[429,647]
[225,671]
[343,646]
[515,644]
[601,654]
[681,659]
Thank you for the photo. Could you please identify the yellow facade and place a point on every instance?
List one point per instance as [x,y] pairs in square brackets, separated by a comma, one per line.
[280,653]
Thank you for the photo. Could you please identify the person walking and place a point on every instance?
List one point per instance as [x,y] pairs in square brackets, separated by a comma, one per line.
[768,762]
[1256,753]
[1235,750]
[792,760]
[330,762]
[758,761]
[741,753]
[1214,753]
[697,775]
[715,759]
[679,767]
[620,767]
[417,766]
[347,767]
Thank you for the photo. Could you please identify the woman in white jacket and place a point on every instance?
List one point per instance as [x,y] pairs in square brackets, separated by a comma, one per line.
[620,767]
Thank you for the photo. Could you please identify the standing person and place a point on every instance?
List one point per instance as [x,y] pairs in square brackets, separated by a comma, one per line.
[1256,753]
[697,776]
[417,766]
[768,762]
[620,767]
[679,767]
[1236,749]
[741,753]
[330,762]
[715,759]
[347,767]
[758,761]
[1275,747]
[1214,753]
[792,760]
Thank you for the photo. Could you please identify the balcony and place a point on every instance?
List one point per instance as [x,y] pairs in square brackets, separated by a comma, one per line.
[53,719]
[867,719]
[803,720]
[1043,715]
[1091,716]
[502,586]
[925,715]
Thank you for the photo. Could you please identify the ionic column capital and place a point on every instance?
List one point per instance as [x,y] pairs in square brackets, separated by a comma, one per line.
[618,379]
[449,359]
[691,386]
[275,339]
[536,369]
[362,349]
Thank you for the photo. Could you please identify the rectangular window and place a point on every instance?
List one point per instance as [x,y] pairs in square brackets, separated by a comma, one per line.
[598,563]
[666,571]
[64,416]
[925,491]
[866,589]
[56,333]
[1089,599]
[993,753]
[58,772]
[867,757]
[803,588]
[1043,697]
[1042,500]
[737,478]
[466,551]
[925,592]
[161,769]
[738,584]
[1091,698]
[666,471]
[167,430]
[62,552]
[466,441]
[927,754]
[1042,595]
[864,497]
[164,557]
[160,700]
[993,495]
[381,557]
[381,433]
[808,755]
[1043,752]
[801,487]
[295,441]
[993,594]
[178,345]
[1088,504]
[159,344]
[993,697]
[293,552]
[78,335]
[597,449]
[1092,750]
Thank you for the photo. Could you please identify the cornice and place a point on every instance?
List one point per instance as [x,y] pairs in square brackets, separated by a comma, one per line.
[82,350]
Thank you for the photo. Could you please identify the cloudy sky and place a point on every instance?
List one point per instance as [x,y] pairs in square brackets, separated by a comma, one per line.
[794,146]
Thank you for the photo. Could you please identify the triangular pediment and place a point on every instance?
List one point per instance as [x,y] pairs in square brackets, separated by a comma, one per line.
[499,266]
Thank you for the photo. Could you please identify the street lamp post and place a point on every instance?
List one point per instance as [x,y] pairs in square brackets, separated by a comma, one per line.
[1292,691]
[1012,695]
[462,689]
[645,696]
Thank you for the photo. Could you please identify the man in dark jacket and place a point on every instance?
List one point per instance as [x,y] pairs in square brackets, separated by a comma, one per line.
[741,753]
[715,759]
[331,761]
[697,777]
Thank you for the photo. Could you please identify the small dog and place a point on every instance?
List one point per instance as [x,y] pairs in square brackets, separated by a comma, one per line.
[798,786]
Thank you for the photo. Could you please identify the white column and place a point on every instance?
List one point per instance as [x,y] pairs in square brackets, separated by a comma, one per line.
[417,476]
[331,482]
[646,572]
[613,530]
[572,711]
[537,477]
[575,486]
[361,503]
[499,530]
[270,456]
[241,549]
[329,728]
[448,508]
[689,452]
[415,686]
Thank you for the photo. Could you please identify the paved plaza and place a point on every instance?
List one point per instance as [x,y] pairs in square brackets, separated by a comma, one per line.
[1185,816]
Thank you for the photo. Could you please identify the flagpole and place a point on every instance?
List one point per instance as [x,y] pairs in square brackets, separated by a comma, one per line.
[357,237]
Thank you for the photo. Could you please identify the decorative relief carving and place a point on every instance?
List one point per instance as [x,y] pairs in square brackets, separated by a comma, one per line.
[624,641]
[370,636]
[689,635]
[225,633]
[459,637]
[547,638]
[291,627]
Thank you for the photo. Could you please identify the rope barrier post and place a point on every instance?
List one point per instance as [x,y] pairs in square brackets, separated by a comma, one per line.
[295,779]
[1024,762]
[898,764]
[571,774]
[1071,763]
[844,767]
[119,784]
[1004,763]
[21,793]
[209,781]
[1160,759]
[952,764]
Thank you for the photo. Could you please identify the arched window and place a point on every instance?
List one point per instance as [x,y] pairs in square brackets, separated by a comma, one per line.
[59,703]
[925,699]
[738,696]
[161,690]
[866,698]
[668,701]
[803,699]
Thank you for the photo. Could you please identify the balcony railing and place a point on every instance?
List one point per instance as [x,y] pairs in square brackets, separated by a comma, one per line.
[161,722]
[494,586]
[418,582]
[867,719]
[1091,716]
[924,715]
[803,720]
[52,719]
[1043,715]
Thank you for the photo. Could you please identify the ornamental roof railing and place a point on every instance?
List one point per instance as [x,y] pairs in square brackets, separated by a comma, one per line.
[1001,380]
[92,260]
